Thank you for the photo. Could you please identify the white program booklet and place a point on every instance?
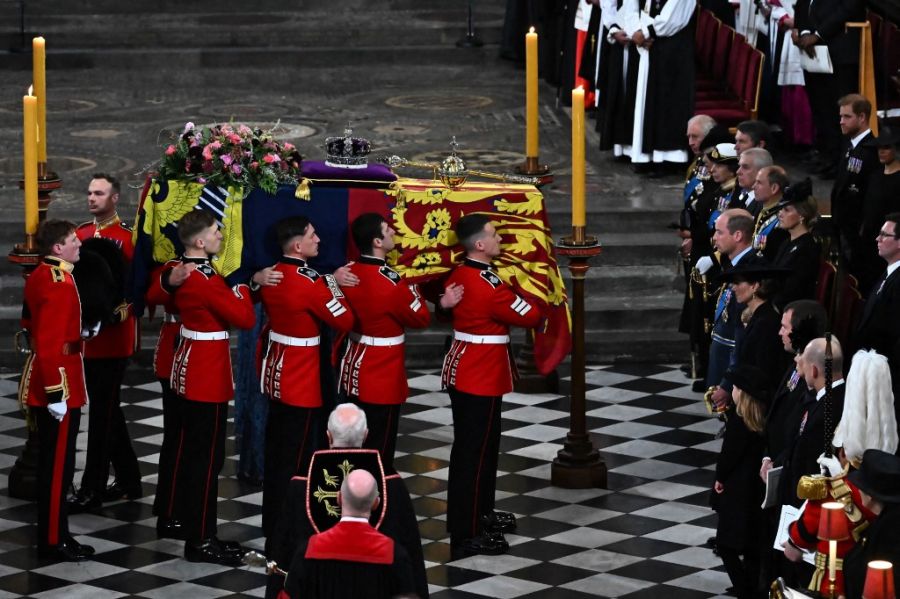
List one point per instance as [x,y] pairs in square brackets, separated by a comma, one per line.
[790,514]
[773,478]
[821,63]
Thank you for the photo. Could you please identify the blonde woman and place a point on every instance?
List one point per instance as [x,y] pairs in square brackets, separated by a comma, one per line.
[738,490]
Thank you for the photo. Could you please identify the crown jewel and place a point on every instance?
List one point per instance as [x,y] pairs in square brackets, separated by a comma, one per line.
[347,151]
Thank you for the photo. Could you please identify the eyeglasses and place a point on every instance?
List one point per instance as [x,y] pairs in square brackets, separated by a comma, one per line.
[886,235]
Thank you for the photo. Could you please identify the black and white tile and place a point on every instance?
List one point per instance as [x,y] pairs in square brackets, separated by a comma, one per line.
[643,537]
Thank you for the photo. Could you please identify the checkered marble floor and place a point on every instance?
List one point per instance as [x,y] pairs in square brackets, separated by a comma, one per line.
[642,537]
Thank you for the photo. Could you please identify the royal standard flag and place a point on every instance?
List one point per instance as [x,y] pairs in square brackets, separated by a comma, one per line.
[424,214]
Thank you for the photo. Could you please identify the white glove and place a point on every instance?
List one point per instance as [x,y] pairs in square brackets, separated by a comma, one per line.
[704,264]
[831,465]
[88,332]
[58,410]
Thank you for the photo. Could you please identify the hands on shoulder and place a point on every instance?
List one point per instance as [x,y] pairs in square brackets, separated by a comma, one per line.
[345,276]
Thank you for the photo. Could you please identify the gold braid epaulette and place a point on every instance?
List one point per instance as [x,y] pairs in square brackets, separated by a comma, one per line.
[812,487]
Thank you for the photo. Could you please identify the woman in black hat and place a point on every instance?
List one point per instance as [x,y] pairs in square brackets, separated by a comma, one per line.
[802,254]
[878,480]
[757,342]
[738,490]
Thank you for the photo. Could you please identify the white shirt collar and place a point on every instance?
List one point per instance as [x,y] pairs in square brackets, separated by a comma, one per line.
[892,267]
[834,384]
[354,519]
[751,197]
[736,259]
[855,141]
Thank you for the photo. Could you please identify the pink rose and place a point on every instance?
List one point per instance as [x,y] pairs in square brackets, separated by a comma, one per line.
[170,150]
[208,152]
[236,169]
[226,159]
[271,158]
[235,139]
[254,165]
[289,146]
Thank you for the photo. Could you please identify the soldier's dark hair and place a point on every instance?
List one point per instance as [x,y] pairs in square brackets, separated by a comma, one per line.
[366,228]
[470,229]
[192,224]
[113,181]
[52,232]
[288,228]
[894,217]
[758,131]
[858,104]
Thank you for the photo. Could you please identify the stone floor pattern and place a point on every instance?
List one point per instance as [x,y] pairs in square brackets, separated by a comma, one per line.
[643,537]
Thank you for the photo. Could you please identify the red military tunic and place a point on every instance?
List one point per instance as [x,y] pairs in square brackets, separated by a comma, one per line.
[54,371]
[373,367]
[303,298]
[120,339]
[169,331]
[479,361]
[803,532]
[201,369]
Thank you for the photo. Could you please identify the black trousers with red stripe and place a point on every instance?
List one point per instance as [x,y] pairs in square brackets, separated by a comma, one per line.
[382,421]
[167,488]
[473,462]
[56,466]
[291,434]
[199,464]
[108,440]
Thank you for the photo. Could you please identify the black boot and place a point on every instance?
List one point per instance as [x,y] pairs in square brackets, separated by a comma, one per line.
[208,550]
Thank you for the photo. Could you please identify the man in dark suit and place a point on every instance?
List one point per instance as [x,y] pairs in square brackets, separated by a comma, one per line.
[879,327]
[859,159]
[808,440]
[822,22]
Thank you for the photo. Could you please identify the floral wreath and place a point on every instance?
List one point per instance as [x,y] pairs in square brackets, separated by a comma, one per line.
[229,154]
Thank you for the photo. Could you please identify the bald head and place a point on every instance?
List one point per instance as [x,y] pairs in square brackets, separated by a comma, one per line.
[812,362]
[347,426]
[358,494]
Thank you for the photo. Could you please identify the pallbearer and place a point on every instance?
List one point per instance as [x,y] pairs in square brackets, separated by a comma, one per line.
[372,371]
[477,371]
[290,370]
[202,379]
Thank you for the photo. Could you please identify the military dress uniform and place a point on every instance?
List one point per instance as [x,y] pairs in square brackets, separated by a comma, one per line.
[290,372]
[160,293]
[727,196]
[202,377]
[816,490]
[373,373]
[768,237]
[848,197]
[478,370]
[54,373]
[105,359]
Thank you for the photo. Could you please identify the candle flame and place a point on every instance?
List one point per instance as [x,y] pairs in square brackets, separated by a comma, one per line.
[30,90]
[531,30]
[580,88]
